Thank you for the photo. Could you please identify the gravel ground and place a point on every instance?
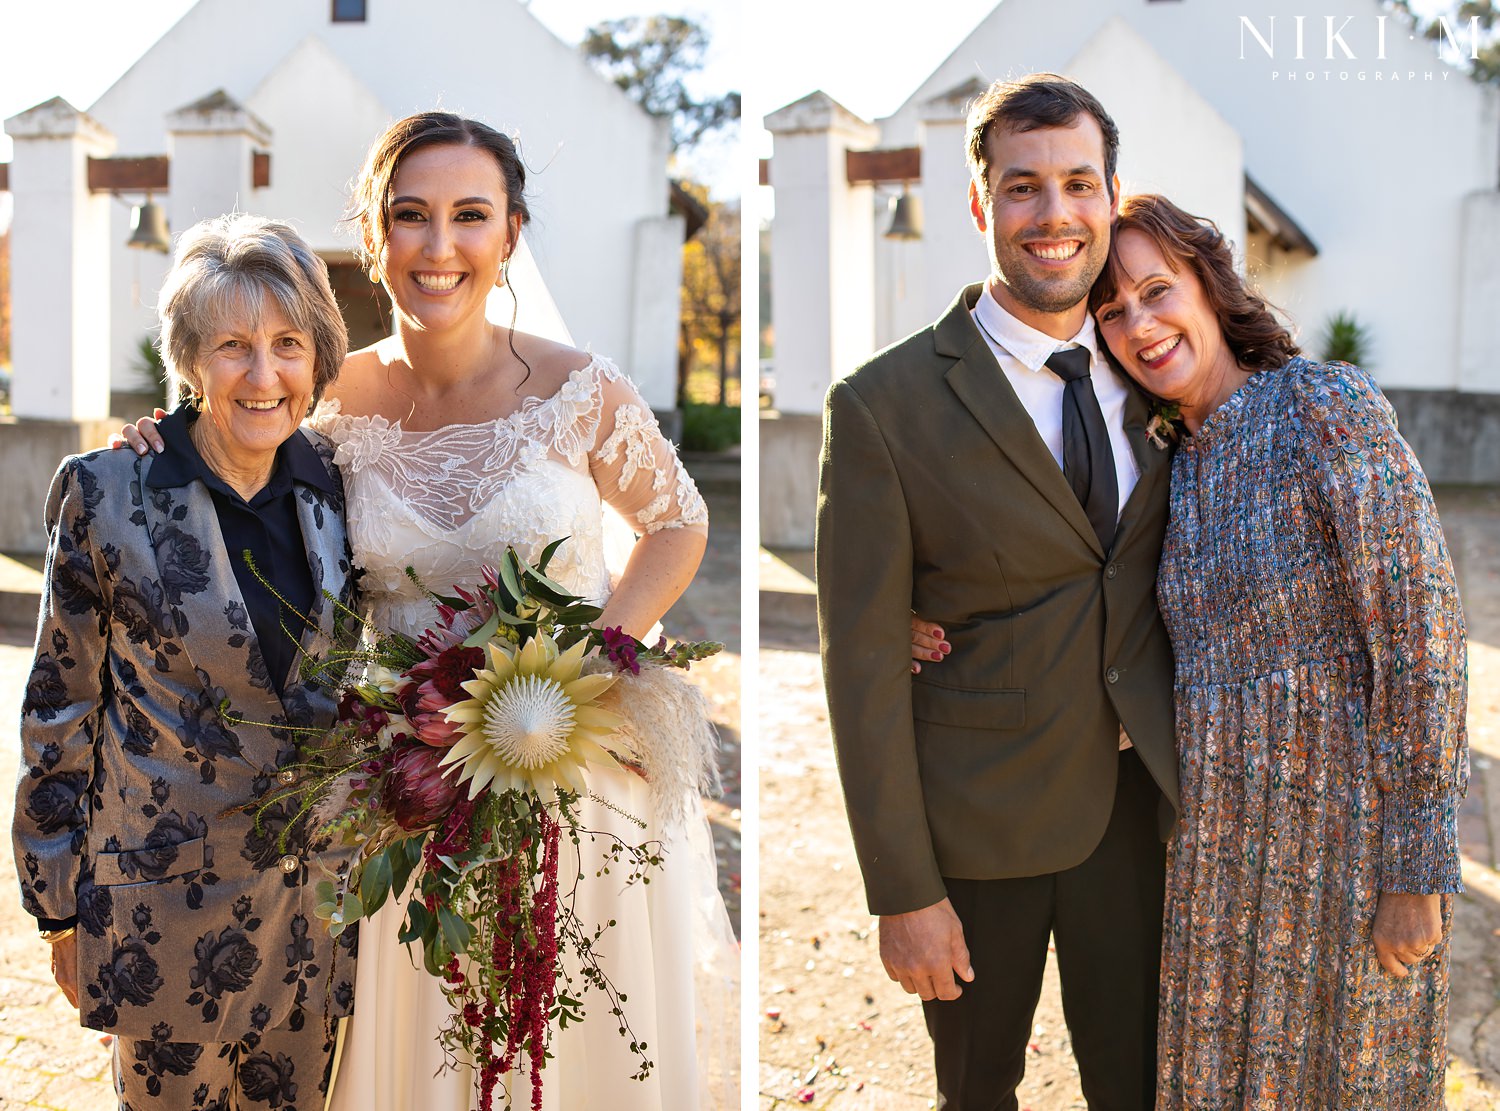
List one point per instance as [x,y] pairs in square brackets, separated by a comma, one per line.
[836,1033]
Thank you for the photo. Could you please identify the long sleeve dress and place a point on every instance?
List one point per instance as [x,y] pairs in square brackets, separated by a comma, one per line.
[1320,699]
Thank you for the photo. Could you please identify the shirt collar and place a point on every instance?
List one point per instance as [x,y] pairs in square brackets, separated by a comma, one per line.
[180,463]
[1021,341]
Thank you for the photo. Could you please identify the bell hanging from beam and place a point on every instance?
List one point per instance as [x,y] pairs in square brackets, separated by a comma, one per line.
[148,229]
[906,217]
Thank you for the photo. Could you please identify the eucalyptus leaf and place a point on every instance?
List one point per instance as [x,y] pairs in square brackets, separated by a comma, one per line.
[508,577]
[456,932]
[548,552]
[375,882]
[482,635]
[404,856]
[435,956]
[415,926]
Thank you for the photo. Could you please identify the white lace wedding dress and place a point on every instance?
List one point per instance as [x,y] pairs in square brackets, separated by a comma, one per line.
[444,503]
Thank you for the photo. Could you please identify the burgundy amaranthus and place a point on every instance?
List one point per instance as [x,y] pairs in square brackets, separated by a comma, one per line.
[531,955]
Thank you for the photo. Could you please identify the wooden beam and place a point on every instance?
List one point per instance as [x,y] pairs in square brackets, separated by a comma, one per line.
[4,177]
[871,167]
[128,175]
[765,171]
[260,170]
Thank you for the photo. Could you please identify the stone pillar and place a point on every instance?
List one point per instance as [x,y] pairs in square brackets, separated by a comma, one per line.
[953,250]
[60,265]
[823,299]
[656,315]
[212,143]
[59,311]
[1478,322]
[822,250]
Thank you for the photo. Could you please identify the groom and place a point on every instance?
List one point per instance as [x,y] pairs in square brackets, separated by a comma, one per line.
[992,473]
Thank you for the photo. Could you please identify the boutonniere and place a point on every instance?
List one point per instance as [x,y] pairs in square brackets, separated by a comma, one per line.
[1165,425]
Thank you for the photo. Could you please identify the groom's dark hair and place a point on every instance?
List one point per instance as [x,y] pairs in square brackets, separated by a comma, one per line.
[1035,101]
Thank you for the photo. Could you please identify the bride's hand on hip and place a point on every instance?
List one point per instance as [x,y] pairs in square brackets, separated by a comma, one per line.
[927,643]
[1407,929]
[661,566]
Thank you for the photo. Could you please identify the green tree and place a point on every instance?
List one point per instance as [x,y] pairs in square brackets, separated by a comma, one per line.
[1483,59]
[651,59]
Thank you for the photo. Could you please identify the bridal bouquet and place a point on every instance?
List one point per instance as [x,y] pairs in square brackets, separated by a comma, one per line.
[457,764]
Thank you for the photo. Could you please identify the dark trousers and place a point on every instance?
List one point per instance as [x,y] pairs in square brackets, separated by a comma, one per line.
[1105,915]
[283,1068]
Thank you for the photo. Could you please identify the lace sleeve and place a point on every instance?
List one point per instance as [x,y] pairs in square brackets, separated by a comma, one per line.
[636,468]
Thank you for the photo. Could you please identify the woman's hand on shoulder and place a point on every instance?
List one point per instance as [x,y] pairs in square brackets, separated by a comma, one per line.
[141,436]
[927,644]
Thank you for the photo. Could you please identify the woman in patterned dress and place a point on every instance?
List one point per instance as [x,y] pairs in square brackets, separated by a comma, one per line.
[1320,701]
[1320,698]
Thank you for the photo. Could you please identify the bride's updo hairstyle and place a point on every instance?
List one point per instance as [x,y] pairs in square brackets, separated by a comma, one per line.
[1253,334]
[371,204]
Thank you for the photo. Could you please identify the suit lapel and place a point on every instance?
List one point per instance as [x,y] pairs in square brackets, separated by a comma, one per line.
[196,577]
[1155,463]
[980,384]
[323,534]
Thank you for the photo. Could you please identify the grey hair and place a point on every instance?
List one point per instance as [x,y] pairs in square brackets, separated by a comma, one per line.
[224,269]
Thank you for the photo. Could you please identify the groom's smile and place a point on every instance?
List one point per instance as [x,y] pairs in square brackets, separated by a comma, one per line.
[1047,217]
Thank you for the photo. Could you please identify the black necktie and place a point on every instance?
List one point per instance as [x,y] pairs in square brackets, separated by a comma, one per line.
[1088,462]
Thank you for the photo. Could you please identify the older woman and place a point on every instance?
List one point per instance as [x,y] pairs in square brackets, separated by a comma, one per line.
[1320,700]
[164,666]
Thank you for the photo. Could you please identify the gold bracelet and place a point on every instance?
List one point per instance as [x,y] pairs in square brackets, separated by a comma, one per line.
[52,937]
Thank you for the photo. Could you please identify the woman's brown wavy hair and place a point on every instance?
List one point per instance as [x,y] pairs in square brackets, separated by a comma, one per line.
[1257,339]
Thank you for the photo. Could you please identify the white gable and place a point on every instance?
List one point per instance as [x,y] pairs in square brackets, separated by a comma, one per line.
[1171,140]
[1377,158]
[313,167]
[596,160]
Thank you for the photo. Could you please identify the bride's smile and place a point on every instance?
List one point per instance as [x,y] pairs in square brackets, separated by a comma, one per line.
[449,236]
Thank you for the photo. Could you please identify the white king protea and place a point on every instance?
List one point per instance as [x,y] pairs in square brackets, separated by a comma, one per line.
[531,722]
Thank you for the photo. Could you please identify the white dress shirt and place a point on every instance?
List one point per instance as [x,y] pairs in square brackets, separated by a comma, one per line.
[1022,353]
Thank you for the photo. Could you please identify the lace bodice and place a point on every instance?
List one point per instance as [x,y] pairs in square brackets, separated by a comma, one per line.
[447,501]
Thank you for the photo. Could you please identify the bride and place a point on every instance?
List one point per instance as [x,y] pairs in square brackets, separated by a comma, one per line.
[457,436]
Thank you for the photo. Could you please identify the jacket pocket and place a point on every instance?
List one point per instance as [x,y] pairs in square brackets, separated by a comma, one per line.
[964,708]
[149,865]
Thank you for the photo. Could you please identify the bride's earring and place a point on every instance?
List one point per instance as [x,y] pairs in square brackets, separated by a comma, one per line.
[374,275]
[504,275]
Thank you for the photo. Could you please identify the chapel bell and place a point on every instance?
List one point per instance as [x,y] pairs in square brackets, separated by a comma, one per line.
[149,228]
[906,217]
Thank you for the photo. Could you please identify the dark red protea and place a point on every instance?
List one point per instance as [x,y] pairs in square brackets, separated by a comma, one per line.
[435,685]
[455,625]
[416,792]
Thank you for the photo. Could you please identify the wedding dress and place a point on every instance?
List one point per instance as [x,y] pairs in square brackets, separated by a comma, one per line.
[444,503]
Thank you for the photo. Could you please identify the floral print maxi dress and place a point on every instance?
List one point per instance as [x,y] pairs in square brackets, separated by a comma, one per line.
[1320,699]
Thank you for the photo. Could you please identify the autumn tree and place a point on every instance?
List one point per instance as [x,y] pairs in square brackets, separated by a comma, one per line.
[5,298]
[651,59]
[711,293]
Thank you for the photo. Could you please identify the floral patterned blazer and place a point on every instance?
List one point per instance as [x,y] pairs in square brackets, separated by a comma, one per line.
[148,719]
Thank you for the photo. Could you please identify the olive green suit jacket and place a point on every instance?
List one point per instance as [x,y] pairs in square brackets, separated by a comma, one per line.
[938,496]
